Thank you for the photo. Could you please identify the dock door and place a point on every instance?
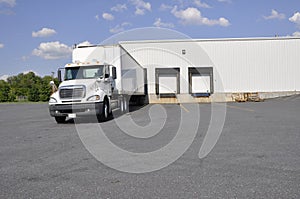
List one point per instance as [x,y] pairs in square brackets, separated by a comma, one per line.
[201,81]
[167,82]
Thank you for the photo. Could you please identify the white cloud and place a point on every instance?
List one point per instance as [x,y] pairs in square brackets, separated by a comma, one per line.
[85,43]
[4,77]
[97,17]
[296,34]
[295,18]
[200,4]
[119,8]
[275,15]
[159,23]
[52,50]
[164,7]
[1,45]
[139,11]
[225,1]
[30,71]
[45,32]
[141,6]
[119,28]
[108,16]
[192,16]
[10,3]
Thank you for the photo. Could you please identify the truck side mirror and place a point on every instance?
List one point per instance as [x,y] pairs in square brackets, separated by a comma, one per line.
[114,73]
[106,76]
[59,75]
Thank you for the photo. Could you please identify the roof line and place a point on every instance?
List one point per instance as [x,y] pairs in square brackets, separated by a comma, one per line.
[210,40]
[193,40]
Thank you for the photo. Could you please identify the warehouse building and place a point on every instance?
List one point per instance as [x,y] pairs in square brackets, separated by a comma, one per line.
[217,69]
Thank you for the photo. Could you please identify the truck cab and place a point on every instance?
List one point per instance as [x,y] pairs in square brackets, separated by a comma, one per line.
[100,80]
[86,89]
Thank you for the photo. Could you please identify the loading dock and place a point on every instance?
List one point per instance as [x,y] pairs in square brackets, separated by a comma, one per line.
[205,70]
[201,81]
[167,82]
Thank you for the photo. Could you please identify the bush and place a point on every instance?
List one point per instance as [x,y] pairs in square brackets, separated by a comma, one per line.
[26,86]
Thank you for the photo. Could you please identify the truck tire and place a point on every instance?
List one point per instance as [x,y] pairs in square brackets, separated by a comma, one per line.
[125,105]
[104,116]
[60,119]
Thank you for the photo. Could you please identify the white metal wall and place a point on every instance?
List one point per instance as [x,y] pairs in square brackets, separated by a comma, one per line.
[256,65]
[240,65]
[168,55]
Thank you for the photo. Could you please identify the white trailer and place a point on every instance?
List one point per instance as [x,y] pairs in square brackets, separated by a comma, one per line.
[100,80]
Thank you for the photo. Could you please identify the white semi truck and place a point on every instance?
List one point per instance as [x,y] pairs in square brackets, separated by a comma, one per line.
[100,80]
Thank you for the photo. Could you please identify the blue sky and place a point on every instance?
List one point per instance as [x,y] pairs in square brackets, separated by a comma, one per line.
[37,35]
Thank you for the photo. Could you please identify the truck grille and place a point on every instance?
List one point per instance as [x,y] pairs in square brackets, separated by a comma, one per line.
[73,92]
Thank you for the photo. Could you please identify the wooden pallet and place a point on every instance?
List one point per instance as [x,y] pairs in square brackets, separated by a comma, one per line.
[246,97]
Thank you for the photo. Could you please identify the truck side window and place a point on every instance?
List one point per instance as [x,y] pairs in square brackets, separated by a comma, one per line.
[106,72]
[99,72]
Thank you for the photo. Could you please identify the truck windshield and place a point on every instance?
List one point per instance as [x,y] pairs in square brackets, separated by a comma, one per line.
[84,72]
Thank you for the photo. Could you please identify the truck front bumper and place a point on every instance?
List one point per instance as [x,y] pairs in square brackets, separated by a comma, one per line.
[80,109]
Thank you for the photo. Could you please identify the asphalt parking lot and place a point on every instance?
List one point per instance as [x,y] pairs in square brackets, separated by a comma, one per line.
[256,156]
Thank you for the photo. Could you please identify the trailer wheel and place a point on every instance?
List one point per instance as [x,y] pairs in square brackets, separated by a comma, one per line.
[60,119]
[122,105]
[125,105]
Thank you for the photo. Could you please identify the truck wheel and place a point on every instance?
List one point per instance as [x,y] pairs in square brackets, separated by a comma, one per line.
[60,119]
[105,112]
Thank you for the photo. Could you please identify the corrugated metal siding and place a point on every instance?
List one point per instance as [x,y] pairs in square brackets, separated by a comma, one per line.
[168,55]
[261,65]
[256,66]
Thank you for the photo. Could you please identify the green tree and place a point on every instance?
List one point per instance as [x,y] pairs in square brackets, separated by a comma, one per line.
[28,86]
[4,91]
[11,96]
[34,94]
[45,88]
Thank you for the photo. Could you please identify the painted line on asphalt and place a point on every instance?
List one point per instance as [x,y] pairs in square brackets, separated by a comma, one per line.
[186,110]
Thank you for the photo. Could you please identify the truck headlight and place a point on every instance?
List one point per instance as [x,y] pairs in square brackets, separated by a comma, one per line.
[94,98]
[52,100]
